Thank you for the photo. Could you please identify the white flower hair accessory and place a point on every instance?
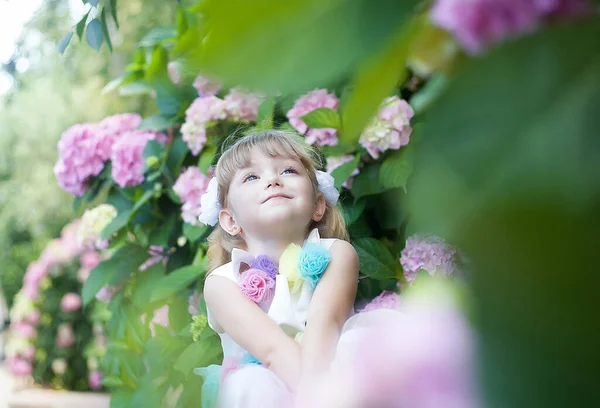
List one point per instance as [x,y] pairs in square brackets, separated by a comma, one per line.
[210,206]
[327,187]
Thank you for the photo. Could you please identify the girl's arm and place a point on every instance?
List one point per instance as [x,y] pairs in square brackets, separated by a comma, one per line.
[329,308]
[252,329]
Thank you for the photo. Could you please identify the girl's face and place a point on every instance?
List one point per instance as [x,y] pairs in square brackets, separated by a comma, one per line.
[273,196]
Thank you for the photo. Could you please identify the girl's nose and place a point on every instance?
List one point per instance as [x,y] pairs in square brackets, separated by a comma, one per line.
[273,180]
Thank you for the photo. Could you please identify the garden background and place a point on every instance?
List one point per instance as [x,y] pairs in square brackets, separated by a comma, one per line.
[471,121]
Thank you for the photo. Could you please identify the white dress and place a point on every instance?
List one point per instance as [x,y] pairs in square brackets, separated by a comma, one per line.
[252,385]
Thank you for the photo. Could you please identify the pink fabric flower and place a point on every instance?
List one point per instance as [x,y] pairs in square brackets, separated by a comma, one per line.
[95,380]
[127,157]
[333,162]
[70,302]
[386,300]
[431,254]
[241,105]
[257,285]
[319,98]
[390,129]
[206,86]
[65,337]
[477,24]
[200,113]
[190,186]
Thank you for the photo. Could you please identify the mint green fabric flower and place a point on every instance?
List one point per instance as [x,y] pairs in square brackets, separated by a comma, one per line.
[313,261]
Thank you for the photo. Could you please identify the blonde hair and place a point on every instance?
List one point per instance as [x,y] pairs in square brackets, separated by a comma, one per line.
[274,143]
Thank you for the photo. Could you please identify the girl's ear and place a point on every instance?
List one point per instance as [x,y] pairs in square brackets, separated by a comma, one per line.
[227,222]
[320,207]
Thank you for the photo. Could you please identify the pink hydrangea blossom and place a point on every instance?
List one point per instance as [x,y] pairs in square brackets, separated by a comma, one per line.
[33,317]
[112,128]
[95,380]
[36,271]
[106,293]
[319,98]
[80,157]
[206,86]
[28,353]
[65,337]
[477,24]
[25,330]
[70,302]
[157,254]
[430,254]
[386,300]
[200,113]
[89,260]
[241,105]
[257,285]
[390,129]
[19,368]
[127,157]
[333,162]
[190,186]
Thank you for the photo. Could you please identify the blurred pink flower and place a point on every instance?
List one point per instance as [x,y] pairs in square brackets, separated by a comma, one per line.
[319,98]
[19,367]
[206,86]
[174,72]
[33,317]
[24,330]
[70,302]
[112,128]
[106,293]
[157,254]
[161,318]
[477,24]
[59,366]
[95,380]
[386,300]
[200,113]
[29,352]
[390,129]
[241,105]
[127,157]
[65,337]
[190,186]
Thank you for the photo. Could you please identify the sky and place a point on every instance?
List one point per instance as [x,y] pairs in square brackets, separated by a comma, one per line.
[13,16]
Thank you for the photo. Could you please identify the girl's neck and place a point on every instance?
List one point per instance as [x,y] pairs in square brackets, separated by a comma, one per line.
[273,248]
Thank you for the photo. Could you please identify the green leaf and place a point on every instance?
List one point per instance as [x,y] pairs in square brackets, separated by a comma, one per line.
[179,317]
[194,233]
[428,94]
[375,259]
[367,182]
[111,382]
[206,158]
[121,399]
[197,354]
[93,34]
[508,170]
[344,171]
[93,3]
[80,27]
[113,11]
[157,67]
[397,168]
[153,148]
[353,210]
[64,42]
[181,20]
[160,234]
[136,88]
[105,29]
[375,80]
[123,262]
[148,194]
[157,36]
[265,113]
[177,152]
[116,224]
[177,280]
[156,122]
[263,34]
[322,118]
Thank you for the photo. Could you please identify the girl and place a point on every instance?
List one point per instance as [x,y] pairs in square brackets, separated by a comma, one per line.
[278,330]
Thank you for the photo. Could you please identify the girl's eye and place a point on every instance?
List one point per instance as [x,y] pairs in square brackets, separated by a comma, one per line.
[289,170]
[250,177]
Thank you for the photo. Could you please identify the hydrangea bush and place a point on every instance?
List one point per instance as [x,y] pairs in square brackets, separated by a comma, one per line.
[54,338]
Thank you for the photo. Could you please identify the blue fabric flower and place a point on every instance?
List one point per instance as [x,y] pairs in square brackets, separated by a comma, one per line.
[210,387]
[313,261]
[249,359]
